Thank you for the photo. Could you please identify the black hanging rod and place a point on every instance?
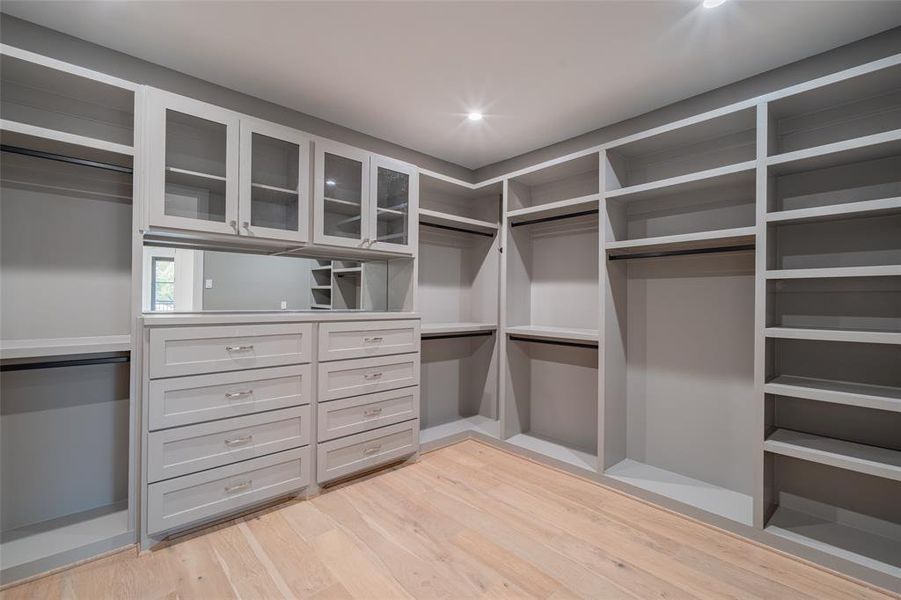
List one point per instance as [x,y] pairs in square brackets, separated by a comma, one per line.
[445,336]
[520,338]
[556,218]
[460,229]
[54,364]
[682,252]
[66,159]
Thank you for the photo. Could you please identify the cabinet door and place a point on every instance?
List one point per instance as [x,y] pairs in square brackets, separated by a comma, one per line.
[395,197]
[193,165]
[275,178]
[341,195]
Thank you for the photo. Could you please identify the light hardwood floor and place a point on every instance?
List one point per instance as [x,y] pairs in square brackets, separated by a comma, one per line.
[466,521]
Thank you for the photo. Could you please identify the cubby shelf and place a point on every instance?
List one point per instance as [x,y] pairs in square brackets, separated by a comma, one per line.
[834,335]
[731,174]
[35,348]
[737,236]
[561,334]
[475,423]
[53,137]
[868,147]
[436,329]
[434,217]
[836,392]
[687,490]
[828,272]
[860,458]
[865,208]
[573,456]
[570,206]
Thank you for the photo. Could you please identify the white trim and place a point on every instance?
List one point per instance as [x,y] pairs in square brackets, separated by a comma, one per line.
[59,65]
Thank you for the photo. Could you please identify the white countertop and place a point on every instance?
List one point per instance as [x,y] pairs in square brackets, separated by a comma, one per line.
[282,316]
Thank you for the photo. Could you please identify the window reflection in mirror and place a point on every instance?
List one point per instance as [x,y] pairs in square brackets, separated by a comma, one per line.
[188,280]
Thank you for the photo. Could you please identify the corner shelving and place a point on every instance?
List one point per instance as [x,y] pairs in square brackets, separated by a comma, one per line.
[561,208]
[451,221]
[584,459]
[568,187]
[560,334]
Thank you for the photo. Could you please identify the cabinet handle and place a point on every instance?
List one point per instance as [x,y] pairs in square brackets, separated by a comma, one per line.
[238,487]
[372,450]
[375,375]
[373,340]
[372,412]
[245,224]
[241,394]
[239,348]
[239,441]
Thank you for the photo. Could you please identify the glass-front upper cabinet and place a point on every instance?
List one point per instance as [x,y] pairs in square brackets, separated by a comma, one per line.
[274,199]
[341,195]
[193,164]
[395,189]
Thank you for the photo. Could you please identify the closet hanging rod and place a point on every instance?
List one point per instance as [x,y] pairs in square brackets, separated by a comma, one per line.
[460,229]
[665,253]
[54,364]
[521,338]
[445,336]
[66,159]
[556,218]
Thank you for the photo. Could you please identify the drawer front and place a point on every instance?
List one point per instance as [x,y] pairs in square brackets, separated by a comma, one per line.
[363,413]
[367,375]
[187,400]
[338,341]
[194,448]
[203,496]
[340,458]
[176,351]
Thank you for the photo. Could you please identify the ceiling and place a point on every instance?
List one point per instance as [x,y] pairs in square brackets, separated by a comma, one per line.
[408,72]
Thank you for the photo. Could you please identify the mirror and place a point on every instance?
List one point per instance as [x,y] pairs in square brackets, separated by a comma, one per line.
[190,281]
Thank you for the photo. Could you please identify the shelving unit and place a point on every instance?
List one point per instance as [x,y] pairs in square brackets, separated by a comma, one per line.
[347,285]
[563,189]
[321,285]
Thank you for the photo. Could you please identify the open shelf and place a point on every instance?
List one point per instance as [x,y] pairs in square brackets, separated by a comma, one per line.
[456,222]
[60,142]
[440,329]
[829,272]
[560,208]
[861,458]
[34,348]
[693,492]
[576,457]
[866,148]
[836,392]
[475,423]
[729,175]
[561,334]
[567,187]
[834,335]
[865,208]
[722,238]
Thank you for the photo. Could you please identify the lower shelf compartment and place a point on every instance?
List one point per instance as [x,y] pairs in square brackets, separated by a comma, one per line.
[43,546]
[574,456]
[694,492]
[477,423]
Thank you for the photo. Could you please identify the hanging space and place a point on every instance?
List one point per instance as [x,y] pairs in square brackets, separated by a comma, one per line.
[459,263]
[65,317]
[833,331]
[551,366]
[679,323]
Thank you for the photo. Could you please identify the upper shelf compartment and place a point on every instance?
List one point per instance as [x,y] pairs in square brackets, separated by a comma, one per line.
[563,189]
[842,112]
[449,205]
[55,104]
[690,151]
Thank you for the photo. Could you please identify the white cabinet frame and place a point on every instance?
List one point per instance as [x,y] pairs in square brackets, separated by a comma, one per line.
[158,102]
[319,234]
[412,204]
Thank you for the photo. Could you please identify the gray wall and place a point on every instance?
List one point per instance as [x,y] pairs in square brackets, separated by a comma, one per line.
[255,282]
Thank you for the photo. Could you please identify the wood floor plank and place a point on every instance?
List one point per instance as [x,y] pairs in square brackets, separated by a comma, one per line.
[466,521]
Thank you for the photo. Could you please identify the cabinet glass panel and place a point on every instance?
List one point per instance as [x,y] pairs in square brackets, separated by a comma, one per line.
[342,197]
[392,207]
[195,167]
[274,197]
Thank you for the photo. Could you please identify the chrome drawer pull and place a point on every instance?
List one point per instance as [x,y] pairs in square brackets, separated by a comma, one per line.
[372,450]
[241,394]
[239,348]
[239,441]
[238,487]
[373,340]
[372,412]
[375,375]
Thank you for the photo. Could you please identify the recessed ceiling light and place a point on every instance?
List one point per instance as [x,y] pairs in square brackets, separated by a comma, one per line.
[474,116]
[329,182]
[712,3]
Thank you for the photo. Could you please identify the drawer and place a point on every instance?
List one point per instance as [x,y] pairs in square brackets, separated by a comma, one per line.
[366,375]
[187,400]
[346,456]
[338,341]
[176,351]
[194,448]
[362,413]
[210,494]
